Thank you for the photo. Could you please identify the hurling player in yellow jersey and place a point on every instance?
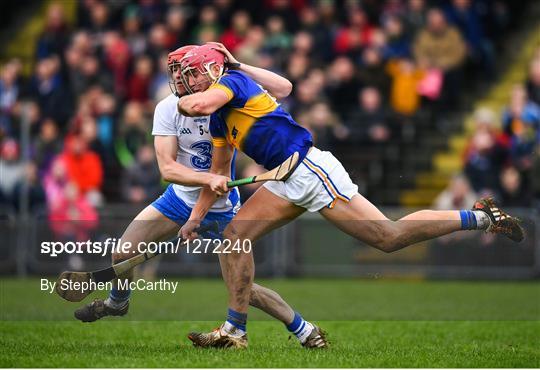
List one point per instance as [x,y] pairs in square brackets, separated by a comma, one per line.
[246,117]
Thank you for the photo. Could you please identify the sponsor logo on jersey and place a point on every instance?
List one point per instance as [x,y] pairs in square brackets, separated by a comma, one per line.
[184,131]
[200,119]
[203,159]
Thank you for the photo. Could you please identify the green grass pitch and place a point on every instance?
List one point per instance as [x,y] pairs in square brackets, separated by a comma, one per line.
[370,323]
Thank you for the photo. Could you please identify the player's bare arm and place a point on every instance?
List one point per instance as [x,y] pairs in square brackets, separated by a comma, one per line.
[172,171]
[202,103]
[221,165]
[278,86]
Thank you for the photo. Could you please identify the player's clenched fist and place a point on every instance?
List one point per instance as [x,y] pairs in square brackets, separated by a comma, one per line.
[188,231]
[218,184]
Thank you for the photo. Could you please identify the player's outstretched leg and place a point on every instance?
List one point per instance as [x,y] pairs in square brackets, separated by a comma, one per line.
[267,300]
[362,220]
[149,225]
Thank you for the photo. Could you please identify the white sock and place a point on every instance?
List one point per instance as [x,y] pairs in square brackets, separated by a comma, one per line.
[482,220]
[232,330]
[304,332]
[115,304]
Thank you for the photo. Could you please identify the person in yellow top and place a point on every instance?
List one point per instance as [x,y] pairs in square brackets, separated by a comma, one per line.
[404,96]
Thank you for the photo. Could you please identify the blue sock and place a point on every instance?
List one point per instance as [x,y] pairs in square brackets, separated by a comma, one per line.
[297,325]
[119,295]
[468,220]
[237,319]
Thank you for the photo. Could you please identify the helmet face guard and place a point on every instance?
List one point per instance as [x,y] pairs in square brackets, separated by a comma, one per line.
[173,65]
[173,84]
[200,61]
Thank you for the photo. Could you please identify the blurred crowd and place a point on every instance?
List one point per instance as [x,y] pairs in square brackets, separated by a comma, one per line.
[361,70]
[502,157]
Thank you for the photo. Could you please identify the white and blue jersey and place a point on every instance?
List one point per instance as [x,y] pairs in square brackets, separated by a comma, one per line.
[195,152]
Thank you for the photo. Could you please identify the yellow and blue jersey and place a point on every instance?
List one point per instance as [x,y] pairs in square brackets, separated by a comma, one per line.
[254,123]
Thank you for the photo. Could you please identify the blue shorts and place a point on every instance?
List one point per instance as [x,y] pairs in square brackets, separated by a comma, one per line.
[174,208]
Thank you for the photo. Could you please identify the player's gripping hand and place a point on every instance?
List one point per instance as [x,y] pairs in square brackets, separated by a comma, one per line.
[218,184]
[231,60]
[187,232]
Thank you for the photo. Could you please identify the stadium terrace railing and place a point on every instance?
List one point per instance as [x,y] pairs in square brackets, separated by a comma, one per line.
[310,246]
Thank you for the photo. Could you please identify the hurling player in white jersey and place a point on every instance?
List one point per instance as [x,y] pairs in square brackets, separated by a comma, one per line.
[184,151]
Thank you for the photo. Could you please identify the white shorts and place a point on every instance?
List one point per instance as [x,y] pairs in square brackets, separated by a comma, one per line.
[319,181]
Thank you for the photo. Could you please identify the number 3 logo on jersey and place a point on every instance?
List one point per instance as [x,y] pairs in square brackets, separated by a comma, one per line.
[203,159]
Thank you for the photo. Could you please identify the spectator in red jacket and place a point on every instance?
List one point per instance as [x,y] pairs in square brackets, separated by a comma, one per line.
[356,35]
[117,58]
[83,166]
[235,35]
[139,82]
